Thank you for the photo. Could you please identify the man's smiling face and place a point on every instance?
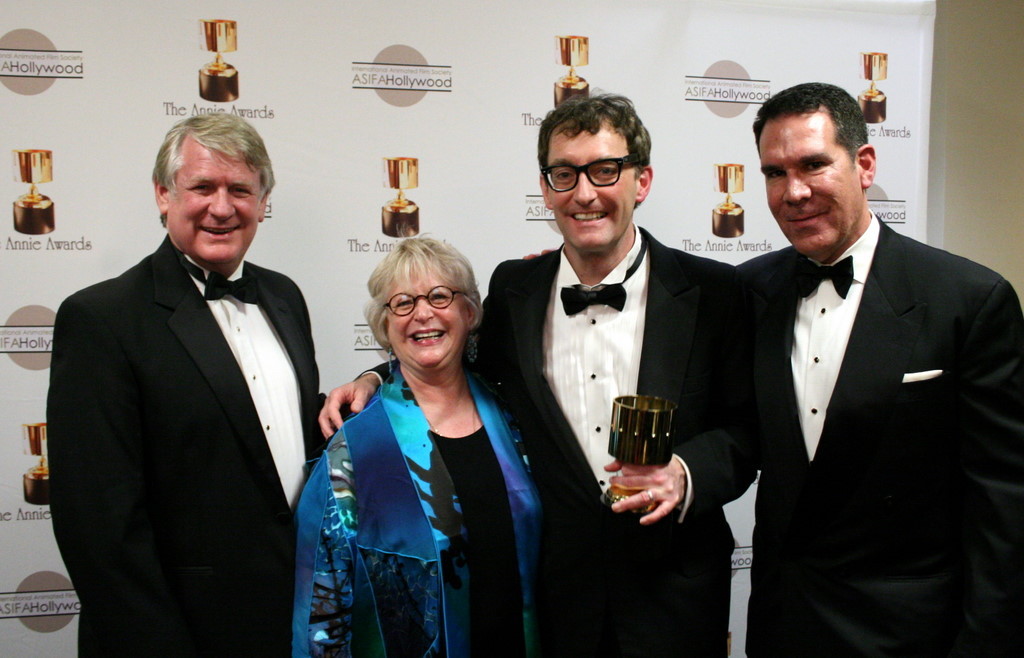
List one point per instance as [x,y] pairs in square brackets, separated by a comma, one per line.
[214,209]
[815,189]
[596,222]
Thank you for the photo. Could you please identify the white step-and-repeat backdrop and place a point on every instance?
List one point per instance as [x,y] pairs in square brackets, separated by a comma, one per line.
[336,88]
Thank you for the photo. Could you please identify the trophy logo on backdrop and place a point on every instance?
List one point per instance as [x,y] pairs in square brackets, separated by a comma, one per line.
[33,211]
[873,101]
[571,51]
[727,217]
[400,217]
[36,482]
[728,220]
[218,80]
[874,67]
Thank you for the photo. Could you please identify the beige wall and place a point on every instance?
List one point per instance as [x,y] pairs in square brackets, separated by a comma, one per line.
[976,172]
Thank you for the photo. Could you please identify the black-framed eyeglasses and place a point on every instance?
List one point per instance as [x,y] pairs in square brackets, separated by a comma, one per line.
[600,173]
[438,297]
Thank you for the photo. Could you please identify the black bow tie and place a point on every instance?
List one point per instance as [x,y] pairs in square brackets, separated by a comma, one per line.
[810,274]
[575,299]
[243,289]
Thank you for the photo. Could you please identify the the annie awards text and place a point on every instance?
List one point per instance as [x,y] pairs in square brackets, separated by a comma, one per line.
[175,110]
[355,246]
[49,244]
[731,246]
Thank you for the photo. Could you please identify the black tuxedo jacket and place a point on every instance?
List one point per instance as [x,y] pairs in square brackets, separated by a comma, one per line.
[167,507]
[905,536]
[660,590]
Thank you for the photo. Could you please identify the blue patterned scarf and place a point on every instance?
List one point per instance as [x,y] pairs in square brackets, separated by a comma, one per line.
[382,567]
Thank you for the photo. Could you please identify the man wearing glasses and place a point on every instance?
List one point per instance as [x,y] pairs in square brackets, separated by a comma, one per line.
[614,312]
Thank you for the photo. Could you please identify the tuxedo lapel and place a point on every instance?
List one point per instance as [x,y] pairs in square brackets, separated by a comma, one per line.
[886,327]
[194,325]
[289,329]
[773,306]
[290,332]
[669,325]
[528,303]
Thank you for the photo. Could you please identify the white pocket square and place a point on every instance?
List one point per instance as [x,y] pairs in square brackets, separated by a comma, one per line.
[920,376]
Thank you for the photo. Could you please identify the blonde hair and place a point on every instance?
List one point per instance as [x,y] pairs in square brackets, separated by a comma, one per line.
[419,257]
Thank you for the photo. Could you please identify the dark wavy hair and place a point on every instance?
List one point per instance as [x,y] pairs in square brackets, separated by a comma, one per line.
[809,97]
[591,114]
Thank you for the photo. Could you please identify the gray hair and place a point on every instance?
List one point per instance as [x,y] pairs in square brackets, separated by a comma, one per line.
[226,134]
[419,257]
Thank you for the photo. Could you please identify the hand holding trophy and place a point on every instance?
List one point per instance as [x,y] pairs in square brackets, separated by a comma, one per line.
[641,434]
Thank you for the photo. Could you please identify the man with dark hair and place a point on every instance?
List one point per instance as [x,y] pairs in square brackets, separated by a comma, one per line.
[610,582]
[181,411]
[614,583]
[890,390]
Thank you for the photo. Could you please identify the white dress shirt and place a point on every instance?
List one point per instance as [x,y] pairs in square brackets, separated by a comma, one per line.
[822,329]
[592,357]
[273,385]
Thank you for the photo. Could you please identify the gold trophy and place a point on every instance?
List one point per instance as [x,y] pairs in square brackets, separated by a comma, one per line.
[874,67]
[641,433]
[218,80]
[37,481]
[33,212]
[571,51]
[727,217]
[400,217]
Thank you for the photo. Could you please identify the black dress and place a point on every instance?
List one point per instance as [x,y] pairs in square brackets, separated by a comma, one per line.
[495,595]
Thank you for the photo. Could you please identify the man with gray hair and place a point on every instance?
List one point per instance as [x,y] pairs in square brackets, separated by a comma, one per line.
[181,411]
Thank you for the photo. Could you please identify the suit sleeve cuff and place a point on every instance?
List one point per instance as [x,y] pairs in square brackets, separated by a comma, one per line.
[380,382]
